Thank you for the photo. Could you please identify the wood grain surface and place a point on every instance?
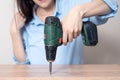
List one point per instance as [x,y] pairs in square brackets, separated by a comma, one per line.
[60,72]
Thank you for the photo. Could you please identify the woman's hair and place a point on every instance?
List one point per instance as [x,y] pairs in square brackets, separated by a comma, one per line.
[25,8]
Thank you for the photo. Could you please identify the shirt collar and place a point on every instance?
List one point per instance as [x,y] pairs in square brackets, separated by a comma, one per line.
[36,19]
[58,7]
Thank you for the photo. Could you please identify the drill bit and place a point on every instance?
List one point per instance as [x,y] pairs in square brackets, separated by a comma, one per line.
[50,68]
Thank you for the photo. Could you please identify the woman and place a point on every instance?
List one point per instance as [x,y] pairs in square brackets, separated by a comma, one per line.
[28,25]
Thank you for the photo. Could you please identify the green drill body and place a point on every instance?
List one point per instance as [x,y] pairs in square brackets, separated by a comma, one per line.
[53,36]
[53,33]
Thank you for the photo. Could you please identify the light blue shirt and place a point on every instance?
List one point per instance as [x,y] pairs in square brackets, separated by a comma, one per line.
[72,53]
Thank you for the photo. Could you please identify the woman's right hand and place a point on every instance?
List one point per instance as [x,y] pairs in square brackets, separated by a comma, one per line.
[17,23]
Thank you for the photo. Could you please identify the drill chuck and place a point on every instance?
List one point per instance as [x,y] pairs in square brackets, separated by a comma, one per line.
[50,53]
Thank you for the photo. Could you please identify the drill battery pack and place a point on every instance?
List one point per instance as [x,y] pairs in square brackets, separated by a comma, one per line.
[89,33]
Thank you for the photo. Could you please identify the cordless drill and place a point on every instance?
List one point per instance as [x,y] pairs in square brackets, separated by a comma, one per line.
[53,36]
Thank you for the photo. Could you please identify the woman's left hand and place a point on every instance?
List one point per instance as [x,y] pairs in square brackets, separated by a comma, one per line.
[72,25]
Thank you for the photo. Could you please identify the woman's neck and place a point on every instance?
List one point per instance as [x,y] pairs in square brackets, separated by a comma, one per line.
[42,13]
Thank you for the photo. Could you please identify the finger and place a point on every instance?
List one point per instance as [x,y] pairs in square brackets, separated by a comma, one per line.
[79,30]
[70,37]
[75,33]
[64,38]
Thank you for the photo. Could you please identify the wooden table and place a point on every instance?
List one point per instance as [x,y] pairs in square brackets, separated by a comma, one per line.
[60,72]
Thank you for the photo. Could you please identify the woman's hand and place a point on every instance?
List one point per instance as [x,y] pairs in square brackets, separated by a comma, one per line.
[17,23]
[72,25]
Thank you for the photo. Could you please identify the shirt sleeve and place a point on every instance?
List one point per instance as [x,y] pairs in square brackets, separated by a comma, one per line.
[102,19]
[17,62]
[24,39]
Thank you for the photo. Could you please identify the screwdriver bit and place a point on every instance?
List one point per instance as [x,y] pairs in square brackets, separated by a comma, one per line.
[50,68]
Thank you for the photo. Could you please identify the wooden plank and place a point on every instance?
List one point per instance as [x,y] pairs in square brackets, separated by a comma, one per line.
[60,72]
